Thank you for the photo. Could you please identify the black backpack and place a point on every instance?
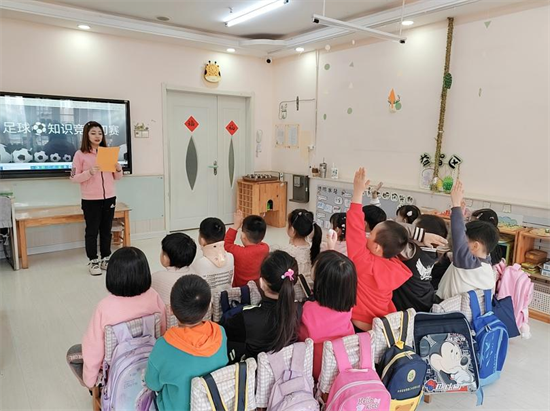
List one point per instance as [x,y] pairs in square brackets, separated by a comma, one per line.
[233,307]
[401,370]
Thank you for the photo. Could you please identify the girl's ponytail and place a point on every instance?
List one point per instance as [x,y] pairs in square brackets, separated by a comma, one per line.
[280,271]
[316,242]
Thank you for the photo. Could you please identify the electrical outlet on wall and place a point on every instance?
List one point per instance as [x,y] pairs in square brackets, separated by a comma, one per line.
[507,208]
[486,204]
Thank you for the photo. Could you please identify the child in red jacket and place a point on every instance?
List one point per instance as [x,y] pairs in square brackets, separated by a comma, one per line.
[379,271]
[248,258]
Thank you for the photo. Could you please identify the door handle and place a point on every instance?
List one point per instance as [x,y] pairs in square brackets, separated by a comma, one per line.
[215,167]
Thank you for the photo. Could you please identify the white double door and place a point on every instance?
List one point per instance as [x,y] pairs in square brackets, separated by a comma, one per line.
[205,158]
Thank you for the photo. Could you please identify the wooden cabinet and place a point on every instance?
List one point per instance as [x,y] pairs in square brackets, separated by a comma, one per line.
[264,198]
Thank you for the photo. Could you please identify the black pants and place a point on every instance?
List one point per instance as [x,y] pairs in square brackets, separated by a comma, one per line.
[99,216]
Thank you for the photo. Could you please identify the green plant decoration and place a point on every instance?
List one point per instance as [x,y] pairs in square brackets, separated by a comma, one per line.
[448,80]
[448,184]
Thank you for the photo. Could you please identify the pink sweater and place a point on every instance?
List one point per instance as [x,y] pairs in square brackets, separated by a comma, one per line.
[323,324]
[113,310]
[99,186]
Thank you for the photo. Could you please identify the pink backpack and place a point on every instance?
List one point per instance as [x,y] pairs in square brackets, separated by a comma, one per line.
[357,389]
[514,282]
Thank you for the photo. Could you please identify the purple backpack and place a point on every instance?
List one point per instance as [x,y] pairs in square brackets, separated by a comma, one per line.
[123,377]
[357,389]
[292,390]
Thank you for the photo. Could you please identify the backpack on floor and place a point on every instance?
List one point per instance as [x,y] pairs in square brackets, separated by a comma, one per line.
[491,338]
[357,389]
[401,369]
[515,283]
[444,341]
[241,397]
[291,391]
[233,307]
[122,378]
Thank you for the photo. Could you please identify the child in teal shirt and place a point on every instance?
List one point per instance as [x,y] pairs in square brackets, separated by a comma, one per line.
[192,349]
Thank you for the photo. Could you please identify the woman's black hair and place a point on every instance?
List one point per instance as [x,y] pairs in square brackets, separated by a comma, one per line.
[304,224]
[409,213]
[335,284]
[273,270]
[486,214]
[338,220]
[128,273]
[432,224]
[212,230]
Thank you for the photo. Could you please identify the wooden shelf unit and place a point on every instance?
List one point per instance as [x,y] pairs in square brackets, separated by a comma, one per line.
[264,198]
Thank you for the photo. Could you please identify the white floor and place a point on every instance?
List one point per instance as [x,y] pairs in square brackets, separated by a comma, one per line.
[45,309]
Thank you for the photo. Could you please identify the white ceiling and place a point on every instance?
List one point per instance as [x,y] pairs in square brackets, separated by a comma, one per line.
[278,33]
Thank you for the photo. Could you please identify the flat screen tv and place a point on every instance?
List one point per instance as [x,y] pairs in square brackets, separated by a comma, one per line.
[39,134]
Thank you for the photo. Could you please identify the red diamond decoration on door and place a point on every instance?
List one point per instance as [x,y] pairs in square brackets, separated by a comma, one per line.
[231,127]
[191,124]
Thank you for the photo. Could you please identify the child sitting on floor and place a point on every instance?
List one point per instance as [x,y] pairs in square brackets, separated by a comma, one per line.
[273,324]
[249,256]
[486,214]
[338,222]
[178,252]
[301,225]
[329,316]
[130,296]
[407,214]
[379,272]
[192,349]
[472,244]
[216,265]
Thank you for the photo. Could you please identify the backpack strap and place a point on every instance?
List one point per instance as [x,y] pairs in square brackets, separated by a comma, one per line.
[365,357]
[122,332]
[405,318]
[305,286]
[277,362]
[474,304]
[241,393]
[388,331]
[224,301]
[245,295]
[298,357]
[488,300]
[213,394]
[148,326]
[341,355]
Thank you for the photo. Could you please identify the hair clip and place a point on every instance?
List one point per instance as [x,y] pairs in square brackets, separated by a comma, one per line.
[289,274]
[409,213]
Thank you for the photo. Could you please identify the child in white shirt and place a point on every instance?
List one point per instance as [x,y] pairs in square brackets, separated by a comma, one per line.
[217,265]
[178,252]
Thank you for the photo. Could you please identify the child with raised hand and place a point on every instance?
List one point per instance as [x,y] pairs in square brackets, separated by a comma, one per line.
[486,214]
[273,324]
[471,267]
[418,291]
[249,256]
[128,281]
[407,214]
[301,224]
[216,265]
[379,272]
[192,349]
[177,254]
[329,316]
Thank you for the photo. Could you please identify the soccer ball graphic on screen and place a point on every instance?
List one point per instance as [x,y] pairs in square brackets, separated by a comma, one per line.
[21,156]
[55,157]
[39,128]
[40,157]
[67,158]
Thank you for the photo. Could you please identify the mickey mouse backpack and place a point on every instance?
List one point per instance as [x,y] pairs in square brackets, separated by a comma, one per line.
[444,341]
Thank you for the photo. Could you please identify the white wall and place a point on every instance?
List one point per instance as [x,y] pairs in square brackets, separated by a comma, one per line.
[502,136]
[50,60]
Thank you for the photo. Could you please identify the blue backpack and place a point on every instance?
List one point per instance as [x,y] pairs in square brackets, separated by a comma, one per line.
[233,307]
[491,338]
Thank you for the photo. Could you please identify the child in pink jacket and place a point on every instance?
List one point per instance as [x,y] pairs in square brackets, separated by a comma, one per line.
[98,195]
[128,281]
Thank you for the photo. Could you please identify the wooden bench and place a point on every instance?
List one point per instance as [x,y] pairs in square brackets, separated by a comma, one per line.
[43,216]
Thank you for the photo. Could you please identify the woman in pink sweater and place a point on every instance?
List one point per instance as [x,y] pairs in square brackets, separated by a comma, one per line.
[329,316]
[128,281]
[98,195]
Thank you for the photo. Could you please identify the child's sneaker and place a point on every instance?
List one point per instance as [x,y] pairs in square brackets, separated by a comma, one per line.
[104,263]
[94,267]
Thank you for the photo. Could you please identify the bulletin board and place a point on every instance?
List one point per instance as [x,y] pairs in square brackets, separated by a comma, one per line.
[332,200]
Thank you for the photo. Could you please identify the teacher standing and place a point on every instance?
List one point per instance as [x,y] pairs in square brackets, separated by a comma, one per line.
[97,190]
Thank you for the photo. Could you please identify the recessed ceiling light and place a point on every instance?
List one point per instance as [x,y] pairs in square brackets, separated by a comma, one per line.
[300,49]
[83,27]
[407,22]
[231,50]
[162,18]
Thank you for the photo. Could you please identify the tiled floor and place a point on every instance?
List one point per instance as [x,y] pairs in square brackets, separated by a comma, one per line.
[45,309]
